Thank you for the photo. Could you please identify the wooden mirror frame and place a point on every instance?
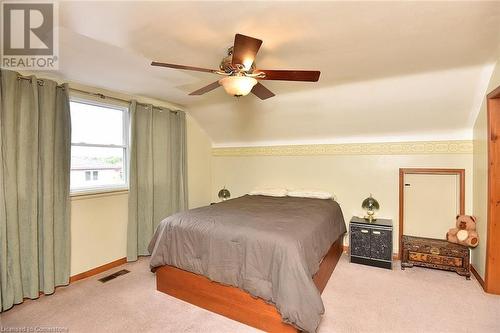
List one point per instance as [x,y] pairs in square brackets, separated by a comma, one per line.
[420,171]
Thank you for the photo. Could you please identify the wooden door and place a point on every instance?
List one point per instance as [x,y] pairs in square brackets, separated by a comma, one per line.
[492,275]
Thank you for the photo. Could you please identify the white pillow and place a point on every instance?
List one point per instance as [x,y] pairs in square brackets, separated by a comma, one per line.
[307,193]
[270,192]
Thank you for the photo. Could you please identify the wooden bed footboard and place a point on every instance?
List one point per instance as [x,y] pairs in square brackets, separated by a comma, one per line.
[233,302]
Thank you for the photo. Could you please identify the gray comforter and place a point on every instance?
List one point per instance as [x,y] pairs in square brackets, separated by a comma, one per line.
[268,246]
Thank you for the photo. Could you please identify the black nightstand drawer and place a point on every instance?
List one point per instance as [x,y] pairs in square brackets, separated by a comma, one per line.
[381,244]
[360,241]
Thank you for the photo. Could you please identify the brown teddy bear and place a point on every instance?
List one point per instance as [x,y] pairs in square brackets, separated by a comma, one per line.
[465,232]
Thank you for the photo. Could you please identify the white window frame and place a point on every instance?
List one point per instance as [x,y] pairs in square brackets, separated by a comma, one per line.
[126,146]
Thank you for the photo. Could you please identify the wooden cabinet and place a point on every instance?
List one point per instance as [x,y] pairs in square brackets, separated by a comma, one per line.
[371,243]
[435,253]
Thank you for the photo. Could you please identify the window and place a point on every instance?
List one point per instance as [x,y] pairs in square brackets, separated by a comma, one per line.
[99,146]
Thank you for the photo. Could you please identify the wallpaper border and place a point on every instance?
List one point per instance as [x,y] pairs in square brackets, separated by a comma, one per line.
[383,148]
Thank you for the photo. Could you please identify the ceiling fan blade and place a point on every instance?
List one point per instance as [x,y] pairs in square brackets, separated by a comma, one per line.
[189,68]
[244,50]
[206,89]
[289,75]
[262,92]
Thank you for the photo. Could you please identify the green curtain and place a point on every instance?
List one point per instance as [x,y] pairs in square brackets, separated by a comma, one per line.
[157,172]
[35,143]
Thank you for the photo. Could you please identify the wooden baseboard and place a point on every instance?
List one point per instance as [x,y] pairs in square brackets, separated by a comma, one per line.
[477,276]
[97,270]
[395,256]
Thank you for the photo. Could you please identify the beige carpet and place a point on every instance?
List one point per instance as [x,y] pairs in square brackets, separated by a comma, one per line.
[357,299]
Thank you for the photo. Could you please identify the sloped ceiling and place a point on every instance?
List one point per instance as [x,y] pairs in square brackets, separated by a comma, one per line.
[390,70]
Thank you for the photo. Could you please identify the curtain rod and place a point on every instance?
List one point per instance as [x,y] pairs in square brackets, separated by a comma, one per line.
[102,96]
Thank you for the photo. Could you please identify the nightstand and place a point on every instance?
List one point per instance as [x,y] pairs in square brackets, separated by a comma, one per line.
[371,243]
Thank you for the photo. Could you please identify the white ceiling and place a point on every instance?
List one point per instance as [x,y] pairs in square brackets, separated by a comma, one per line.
[389,70]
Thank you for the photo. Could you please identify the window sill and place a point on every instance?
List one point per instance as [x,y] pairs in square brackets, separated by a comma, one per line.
[97,193]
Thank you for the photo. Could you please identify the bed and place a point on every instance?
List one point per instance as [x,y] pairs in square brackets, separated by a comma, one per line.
[257,259]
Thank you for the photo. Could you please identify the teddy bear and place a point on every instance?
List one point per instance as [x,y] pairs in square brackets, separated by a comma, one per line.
[465,232]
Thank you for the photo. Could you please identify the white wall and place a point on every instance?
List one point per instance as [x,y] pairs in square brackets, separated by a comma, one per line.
[481,176]
[98,230]
[350,177]
[199,153]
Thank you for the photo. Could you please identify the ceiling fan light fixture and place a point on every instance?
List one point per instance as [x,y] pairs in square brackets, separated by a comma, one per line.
[241,72]
[238,85]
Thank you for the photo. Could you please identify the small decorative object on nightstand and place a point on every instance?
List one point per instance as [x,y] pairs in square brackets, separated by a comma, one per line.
[224,194]
[370,243]
[371,206]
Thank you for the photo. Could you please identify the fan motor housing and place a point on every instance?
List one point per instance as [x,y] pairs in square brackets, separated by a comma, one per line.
[226,65]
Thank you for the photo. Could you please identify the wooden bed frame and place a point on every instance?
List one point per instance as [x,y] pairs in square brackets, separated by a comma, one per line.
[233,302]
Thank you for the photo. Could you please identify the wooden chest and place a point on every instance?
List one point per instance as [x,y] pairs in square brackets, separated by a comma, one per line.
[435,253]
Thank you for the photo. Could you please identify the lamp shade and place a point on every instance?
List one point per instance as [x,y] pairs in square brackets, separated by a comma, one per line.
[238,85]
[224,194]
[370,204]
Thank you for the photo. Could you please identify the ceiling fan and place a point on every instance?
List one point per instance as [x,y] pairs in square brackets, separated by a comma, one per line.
[241,74]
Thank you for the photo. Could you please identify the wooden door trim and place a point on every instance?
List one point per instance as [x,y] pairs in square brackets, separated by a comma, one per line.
[495,93]
[426,171]
[493,222]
